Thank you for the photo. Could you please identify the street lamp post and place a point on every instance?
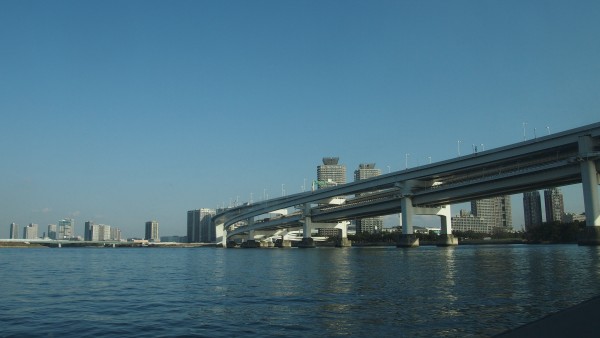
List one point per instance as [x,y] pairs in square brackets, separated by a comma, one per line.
[406,160]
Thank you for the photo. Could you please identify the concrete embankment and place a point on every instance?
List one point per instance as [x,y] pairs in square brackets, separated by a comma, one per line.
[579,321]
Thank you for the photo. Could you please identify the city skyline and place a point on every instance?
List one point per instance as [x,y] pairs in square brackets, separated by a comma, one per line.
[102,109]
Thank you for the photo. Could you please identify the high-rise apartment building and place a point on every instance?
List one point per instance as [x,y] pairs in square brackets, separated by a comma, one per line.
[87,231]
[496,210]
[331,173]
[115,234]
[532,209]
[14,231]
[553,202]
[152,231]
[371,224]
[66,228]
[30,231]
[52,231]
[200,228]
[466,221]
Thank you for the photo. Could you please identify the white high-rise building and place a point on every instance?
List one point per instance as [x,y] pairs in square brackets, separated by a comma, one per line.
[496,211]
[331,173]
[30,231]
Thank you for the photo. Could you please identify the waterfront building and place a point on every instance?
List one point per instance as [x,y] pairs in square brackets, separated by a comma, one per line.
[87,231]
[30,231]
[52,231]
[152,231]
[66,228]
[329,232]
[115,234]
[199,226]
[371,224]
[553,202]
[466,221]
[174,239]
[14,231]
[330,173]
[571,217]
[532,209]
[496,211]
[94,232]
[104,232]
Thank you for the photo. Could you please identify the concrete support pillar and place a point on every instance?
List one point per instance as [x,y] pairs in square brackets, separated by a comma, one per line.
[307,241]
[408,238]
[250,242]
[221,235]
[343,241]
[591,200]
[446,236]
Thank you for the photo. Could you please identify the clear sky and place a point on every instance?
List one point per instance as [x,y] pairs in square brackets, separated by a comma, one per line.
[120,112]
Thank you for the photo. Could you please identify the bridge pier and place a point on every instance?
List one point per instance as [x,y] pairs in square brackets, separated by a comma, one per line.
[307,241]
[408,238]
[591,199]
[446,236]
[283,243]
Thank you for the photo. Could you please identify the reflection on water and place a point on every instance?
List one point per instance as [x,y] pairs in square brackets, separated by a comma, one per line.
[427,291]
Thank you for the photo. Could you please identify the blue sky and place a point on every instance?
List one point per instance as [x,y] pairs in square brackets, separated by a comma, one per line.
[122,112]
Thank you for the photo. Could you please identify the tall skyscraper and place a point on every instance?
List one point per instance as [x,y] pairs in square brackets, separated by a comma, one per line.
[330,173]
[66,228]
[496,211]
[151,231]
[532,209]
[199,226]
[30,231]
[14,231]
[52,231]
[553,202]
[87,231]
[371,224]
[115,234]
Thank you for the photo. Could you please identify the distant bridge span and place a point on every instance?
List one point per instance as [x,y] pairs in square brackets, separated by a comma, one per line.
[564,158]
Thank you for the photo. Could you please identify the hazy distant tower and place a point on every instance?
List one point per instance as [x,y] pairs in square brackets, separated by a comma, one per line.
[371,224]
[30,231]
[555,208]
[151,231]
[66,228]
[14,231]
[532,209]
[52,231]
[330,173]
[87,231]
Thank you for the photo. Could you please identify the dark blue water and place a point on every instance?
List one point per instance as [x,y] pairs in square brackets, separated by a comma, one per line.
[427,291]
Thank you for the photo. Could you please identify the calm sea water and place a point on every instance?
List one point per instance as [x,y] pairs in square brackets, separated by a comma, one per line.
[210,292]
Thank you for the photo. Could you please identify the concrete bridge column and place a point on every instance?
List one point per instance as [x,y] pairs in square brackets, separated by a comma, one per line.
[250,242]
[307,241]
[221,235]
[408,238]
[591,200]
[343,241]
[446,236]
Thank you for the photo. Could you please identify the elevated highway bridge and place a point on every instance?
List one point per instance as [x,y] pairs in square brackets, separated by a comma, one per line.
[564,158]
